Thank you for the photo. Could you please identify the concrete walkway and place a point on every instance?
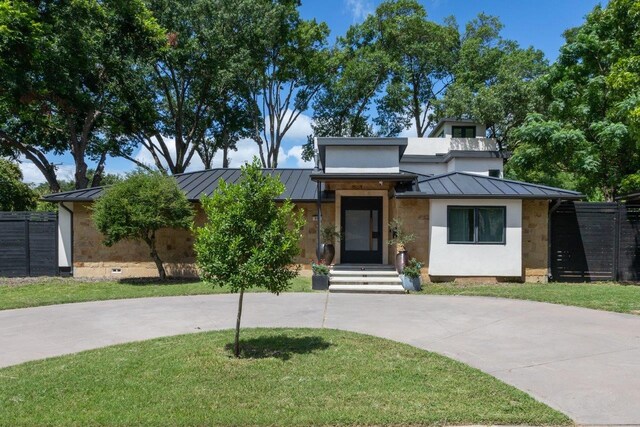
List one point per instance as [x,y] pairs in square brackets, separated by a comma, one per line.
[585,363]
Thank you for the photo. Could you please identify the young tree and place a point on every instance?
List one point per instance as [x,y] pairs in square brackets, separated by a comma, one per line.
[249,240]
[15,195]
[70,79]
[138,207]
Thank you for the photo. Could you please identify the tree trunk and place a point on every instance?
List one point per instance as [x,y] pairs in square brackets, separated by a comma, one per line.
[236,346]
[151,241]
[225,157]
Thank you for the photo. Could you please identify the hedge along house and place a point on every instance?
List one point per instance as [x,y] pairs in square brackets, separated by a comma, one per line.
[448,190]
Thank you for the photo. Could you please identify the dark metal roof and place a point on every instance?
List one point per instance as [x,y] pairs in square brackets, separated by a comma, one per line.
[298,185]
[628,197]
[468,185]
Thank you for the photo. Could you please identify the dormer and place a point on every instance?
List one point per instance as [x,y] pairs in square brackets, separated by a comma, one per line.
[361,155]
[458,128]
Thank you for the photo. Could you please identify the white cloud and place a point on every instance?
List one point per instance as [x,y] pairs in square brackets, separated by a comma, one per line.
[359,9]
[295,154]
[299,130]
[32,175]
[409,132]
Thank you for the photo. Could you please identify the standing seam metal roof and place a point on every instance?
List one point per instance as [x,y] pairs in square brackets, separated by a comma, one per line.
[463,184]
[300,187]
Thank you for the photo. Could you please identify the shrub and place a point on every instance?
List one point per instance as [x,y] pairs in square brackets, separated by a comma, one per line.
[137,207]
[412,269]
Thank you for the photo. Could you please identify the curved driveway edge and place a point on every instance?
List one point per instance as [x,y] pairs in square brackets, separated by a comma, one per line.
[583,362]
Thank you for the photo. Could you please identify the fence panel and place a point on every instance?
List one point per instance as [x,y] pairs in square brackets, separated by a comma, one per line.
[584,242]
[28,244]
[629,243]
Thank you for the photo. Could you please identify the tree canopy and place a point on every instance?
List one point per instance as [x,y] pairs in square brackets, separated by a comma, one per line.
[15,195]
[586,132]
[70,80]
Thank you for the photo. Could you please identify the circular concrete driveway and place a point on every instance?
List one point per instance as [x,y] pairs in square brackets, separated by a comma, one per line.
[585,363]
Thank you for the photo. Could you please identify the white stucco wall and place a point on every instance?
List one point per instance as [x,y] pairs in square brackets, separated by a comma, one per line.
[362,159]
[472,259]
[477,165]
[64,235]
[424,168]
[433,146]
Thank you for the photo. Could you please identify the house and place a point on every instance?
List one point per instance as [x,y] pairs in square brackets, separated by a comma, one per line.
[448,190]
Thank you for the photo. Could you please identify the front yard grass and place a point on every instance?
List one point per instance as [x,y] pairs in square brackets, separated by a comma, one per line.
[14,294]
[285,377]
[600,296]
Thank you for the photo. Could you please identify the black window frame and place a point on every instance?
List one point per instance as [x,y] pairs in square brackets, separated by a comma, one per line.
[463,128]
[475,225]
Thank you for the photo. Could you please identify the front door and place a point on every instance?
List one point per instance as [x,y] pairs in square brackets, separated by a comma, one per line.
[361,224]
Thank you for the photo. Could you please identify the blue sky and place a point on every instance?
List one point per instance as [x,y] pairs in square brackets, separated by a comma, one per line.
[538,23]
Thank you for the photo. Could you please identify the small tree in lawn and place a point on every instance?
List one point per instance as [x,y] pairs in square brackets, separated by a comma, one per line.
[139,206]
[249,240]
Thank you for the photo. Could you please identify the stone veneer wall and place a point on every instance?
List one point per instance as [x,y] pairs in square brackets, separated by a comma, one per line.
[93,259]
[535,243]
[414,214]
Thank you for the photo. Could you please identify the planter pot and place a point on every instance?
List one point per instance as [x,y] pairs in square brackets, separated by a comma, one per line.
[325,253]
[411,283]
[401,260]
[319,283]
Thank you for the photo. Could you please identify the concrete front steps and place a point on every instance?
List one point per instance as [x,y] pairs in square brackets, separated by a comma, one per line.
[365,278]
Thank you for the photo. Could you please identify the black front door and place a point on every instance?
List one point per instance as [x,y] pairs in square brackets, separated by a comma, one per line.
[361,224]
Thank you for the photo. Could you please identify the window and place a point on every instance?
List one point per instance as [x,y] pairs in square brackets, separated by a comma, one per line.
[463,131]
[495,173]
[476,224]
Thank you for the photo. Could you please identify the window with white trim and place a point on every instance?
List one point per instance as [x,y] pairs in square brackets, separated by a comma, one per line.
[484,225]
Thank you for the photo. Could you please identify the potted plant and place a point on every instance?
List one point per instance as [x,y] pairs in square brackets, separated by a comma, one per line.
[411,279]
[326,248]
[320,278]
[400,239]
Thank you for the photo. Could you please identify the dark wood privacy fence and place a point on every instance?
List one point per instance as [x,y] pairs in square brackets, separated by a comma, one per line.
[595,242]
[28,244]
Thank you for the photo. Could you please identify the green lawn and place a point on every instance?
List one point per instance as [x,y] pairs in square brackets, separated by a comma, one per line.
[601,296]
[286,377]
[59,291]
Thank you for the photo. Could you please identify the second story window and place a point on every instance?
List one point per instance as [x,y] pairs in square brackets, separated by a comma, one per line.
[463,131]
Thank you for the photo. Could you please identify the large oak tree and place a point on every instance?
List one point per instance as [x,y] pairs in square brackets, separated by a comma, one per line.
[70,80]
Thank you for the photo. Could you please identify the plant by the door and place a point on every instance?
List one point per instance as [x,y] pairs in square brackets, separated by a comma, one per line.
[320,278]
[400,239]
[326,248]
[411,279]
